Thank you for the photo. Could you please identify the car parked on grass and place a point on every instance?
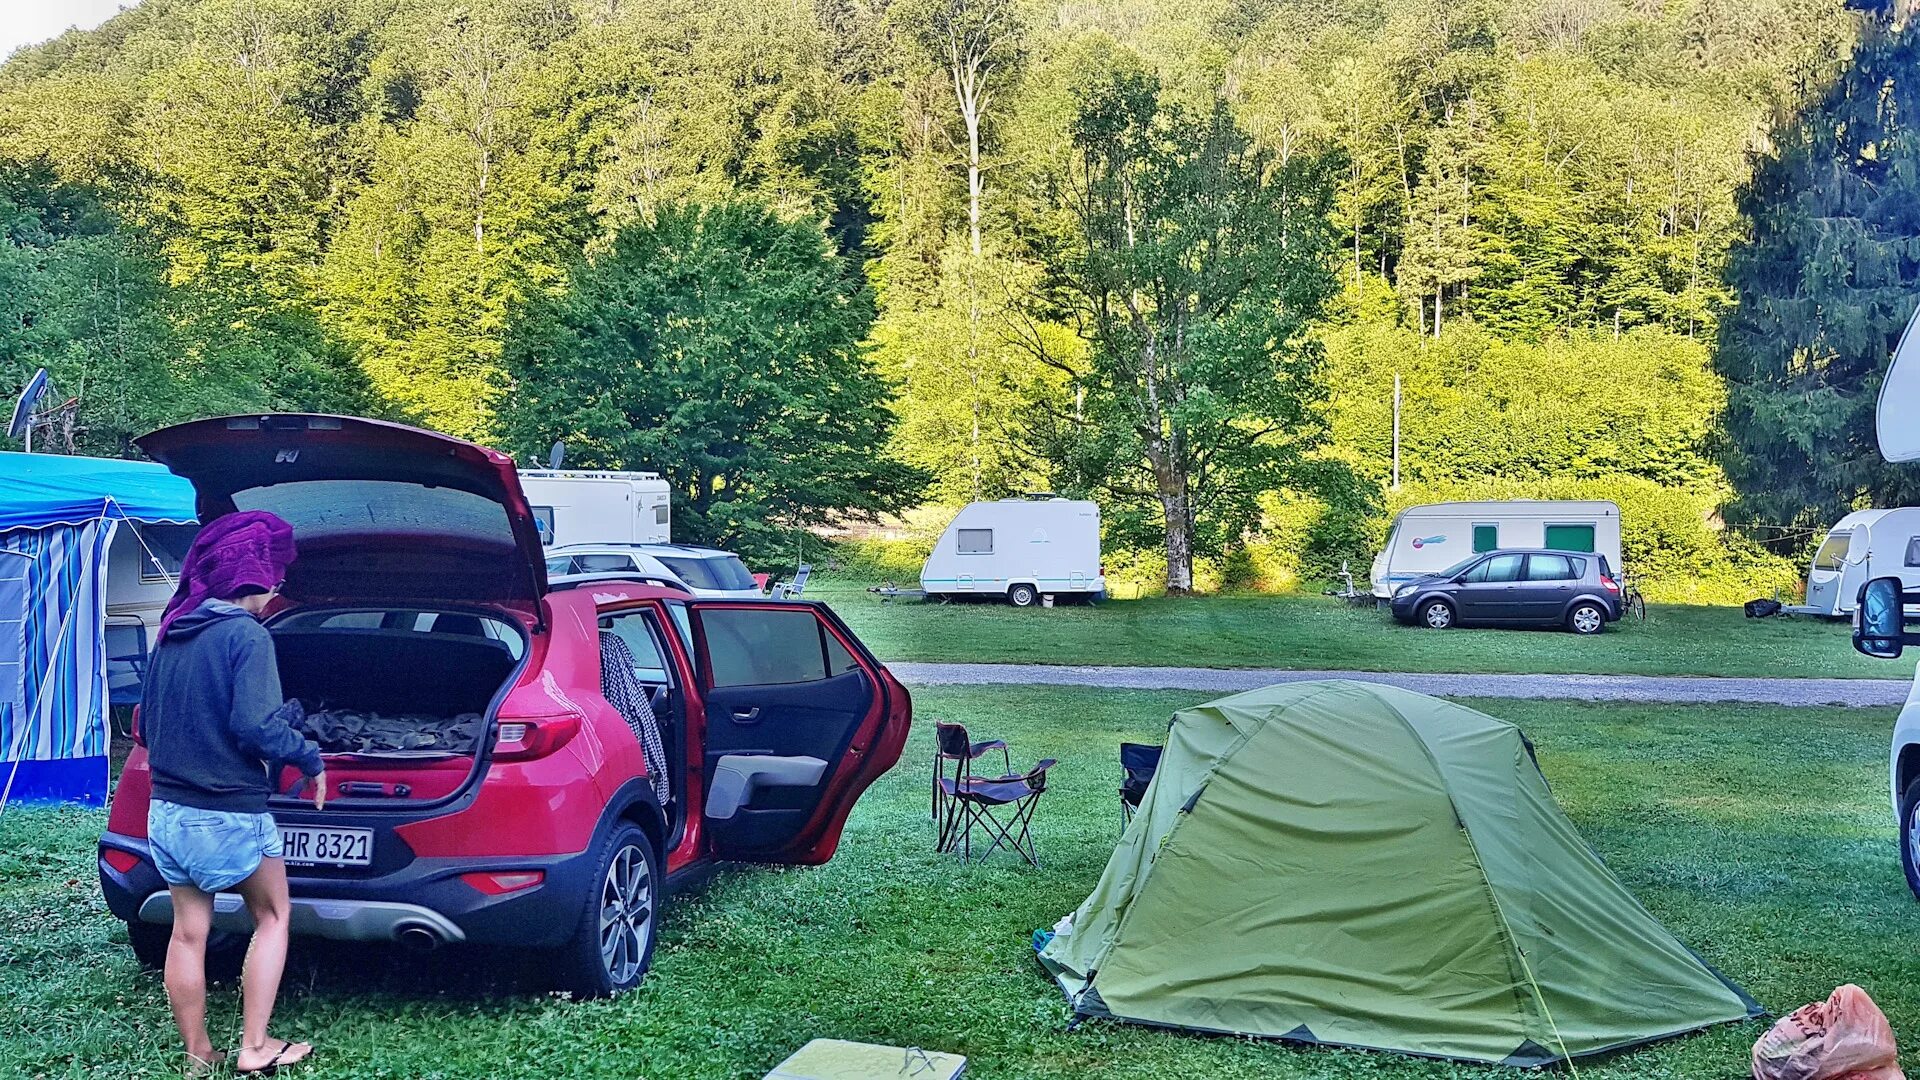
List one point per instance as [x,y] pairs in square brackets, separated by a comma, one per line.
[421,596]
[1541,587]
[705,571]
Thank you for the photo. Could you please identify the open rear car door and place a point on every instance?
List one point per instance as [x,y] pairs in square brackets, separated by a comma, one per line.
[800,719]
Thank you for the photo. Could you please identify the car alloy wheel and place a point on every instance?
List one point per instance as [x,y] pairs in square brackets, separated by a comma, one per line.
[626,915]
[1587,619]
[1437,615]
[1911,838]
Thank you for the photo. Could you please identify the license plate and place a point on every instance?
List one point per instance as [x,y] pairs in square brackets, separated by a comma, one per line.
[308,845]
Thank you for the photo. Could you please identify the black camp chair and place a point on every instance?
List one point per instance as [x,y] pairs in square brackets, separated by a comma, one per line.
[1002,808]
[951,743]
[1137,764]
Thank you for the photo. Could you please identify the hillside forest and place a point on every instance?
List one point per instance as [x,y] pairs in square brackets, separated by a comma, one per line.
[824,261]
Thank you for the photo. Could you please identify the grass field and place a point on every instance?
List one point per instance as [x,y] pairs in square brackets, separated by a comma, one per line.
[1315,633]
[1761,836]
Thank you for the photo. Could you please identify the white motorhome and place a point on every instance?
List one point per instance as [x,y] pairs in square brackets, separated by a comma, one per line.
[1429,538]
[1020,550]
[573,506]
[1864,545]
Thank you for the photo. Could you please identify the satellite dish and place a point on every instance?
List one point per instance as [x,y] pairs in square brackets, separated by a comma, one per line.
[556,455]
[1898,416]
[30,395]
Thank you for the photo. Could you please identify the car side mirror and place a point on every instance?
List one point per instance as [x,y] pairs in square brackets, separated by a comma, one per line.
[1879,621]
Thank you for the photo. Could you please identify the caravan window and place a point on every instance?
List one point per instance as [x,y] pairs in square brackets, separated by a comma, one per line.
[543,523]
[1485,538]
[976,541]
[1833,552]
[1913,551]
[660,514]
[1569,537]
[166,544]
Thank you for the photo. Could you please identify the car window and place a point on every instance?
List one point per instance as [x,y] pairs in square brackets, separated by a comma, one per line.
[637,630]
[975,541]
[1477,574]
[1553,568]
[602,564]
[560,565]
[320,508]
[709,572]
[682,624]
[1503,568]
[450,623]
[1456,568]
[762,646]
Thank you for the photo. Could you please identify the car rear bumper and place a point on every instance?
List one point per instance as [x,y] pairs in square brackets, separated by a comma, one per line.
[425,902]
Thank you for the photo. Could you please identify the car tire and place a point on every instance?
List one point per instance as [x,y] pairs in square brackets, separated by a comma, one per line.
[149,941]
[1910,836]
[612,946]
[1023,596]
[1437,615]
[1587,618]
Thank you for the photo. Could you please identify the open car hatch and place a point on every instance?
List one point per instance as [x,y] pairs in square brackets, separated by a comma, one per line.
[380,511]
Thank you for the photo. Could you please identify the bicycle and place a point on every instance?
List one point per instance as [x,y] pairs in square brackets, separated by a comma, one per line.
[1632,603]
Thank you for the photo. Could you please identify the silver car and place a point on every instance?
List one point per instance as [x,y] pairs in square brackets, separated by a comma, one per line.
[706,572]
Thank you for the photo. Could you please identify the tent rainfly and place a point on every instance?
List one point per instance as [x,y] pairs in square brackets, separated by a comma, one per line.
[57,518]
[1347,864]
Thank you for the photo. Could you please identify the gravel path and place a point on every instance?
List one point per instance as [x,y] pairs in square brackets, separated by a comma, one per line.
[1859,693]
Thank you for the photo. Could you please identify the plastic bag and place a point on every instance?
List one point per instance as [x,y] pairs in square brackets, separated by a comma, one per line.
[1845,1037]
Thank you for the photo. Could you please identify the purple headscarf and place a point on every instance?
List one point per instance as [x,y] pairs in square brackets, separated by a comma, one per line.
[250,550]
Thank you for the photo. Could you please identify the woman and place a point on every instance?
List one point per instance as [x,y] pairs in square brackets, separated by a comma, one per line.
[216,738]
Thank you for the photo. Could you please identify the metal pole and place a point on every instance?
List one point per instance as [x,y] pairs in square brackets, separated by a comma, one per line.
[1396,431]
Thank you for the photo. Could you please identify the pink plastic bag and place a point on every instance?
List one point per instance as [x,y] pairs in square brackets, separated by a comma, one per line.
[1845,1037]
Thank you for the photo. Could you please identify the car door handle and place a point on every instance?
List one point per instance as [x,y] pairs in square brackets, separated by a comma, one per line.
[746,716]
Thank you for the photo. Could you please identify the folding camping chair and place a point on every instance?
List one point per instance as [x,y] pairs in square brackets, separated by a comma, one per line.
[1002,808]
[1137,764]
[788,590]
[950,743]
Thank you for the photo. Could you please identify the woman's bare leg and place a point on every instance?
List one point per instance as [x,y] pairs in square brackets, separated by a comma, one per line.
[186,973]
[265,892]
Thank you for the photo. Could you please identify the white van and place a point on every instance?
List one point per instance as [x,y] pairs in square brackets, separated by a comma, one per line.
[1019,549]
[1429,538]
[580,507]
[1864,545]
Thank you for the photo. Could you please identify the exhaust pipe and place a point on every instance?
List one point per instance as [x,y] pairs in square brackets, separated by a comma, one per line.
[417,938]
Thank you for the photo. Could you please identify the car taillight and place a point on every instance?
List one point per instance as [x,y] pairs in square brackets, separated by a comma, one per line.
[523,739]
[122,862]
[1609,584]
[499,883]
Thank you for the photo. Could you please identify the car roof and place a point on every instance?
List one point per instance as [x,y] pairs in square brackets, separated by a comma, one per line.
[1544,551]
[641,586]
[683,551]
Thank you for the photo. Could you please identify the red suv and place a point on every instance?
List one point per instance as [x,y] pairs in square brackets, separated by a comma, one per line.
[505,801]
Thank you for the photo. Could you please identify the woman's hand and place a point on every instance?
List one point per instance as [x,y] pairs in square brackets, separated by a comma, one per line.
[320,790]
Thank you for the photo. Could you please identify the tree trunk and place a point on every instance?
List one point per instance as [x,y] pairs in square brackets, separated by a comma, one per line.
[1173,502]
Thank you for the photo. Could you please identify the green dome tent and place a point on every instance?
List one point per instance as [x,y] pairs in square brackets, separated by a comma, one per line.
[1348,864]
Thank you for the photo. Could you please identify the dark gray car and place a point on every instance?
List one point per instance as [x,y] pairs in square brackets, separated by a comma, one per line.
[1536,587]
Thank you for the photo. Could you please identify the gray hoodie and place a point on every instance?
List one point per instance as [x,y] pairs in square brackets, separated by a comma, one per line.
[208,713]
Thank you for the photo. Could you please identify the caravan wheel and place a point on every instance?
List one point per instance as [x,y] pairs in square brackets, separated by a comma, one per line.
[1023,596]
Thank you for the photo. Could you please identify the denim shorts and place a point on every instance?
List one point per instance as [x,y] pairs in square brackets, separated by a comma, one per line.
[211,850]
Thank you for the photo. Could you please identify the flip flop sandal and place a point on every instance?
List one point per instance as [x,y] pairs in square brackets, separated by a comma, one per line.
[272,1067]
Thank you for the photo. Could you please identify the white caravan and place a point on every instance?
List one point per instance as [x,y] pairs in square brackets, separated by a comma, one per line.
[1429,538]
[1019,550]
[1864,545]
[581,507]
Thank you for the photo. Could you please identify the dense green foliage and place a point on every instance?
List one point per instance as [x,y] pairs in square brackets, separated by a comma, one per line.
[1791,888]
[722,344]
[1528,204]
[1825,285]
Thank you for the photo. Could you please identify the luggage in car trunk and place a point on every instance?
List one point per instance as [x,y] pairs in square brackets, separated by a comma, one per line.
[399,702]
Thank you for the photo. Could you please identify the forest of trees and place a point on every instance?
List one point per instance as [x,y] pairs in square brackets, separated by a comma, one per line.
[1169,253]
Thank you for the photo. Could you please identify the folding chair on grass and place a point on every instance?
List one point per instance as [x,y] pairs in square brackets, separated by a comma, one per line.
[951,743]
[1003,809]
[1137,764]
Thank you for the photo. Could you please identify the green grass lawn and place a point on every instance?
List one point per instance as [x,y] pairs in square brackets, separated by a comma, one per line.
[1319,633]
[1760,835]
